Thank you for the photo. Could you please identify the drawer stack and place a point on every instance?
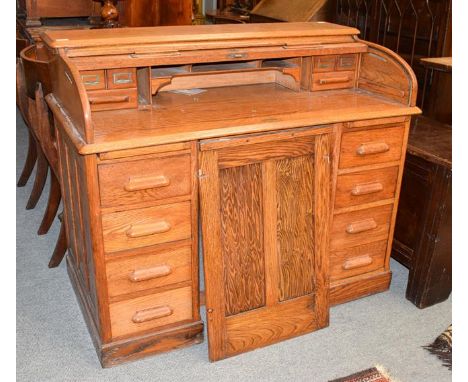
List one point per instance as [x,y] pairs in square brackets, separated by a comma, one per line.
[148,214]
[333,72]
[367,179]
[111,89]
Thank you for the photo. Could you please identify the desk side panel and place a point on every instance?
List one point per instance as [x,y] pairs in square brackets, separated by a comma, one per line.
[78,177]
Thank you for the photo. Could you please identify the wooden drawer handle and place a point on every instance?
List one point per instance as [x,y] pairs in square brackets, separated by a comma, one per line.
[148,229]
[108,99]
[152,314]
[143,183]
[336,80]
[357,262]
[361,226]
[372,148]
[364,189]
[150,273]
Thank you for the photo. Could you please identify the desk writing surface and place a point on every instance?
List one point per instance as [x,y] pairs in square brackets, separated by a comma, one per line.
[233,110]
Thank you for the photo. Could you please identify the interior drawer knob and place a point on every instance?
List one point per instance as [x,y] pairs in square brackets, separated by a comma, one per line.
[144,183]
[364,189]
[150,273]
[361,226]
[152,314]
[372,148]
[141,230]
[357,262]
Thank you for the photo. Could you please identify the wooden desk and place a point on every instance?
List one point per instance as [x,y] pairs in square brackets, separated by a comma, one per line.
[291,138]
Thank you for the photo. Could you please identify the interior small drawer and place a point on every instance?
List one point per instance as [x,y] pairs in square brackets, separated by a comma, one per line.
[333,80]
[349,262]
[365,147]
[113,99]
[346,62]
[121,78]
[146,226]
[148,312]
[324,64]
[137,181]
[366,186]
[149,269]
[93,79]
[360,227]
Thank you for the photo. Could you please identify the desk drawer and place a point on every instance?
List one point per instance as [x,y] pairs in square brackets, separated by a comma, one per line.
[333,80]
[151,269]
[366,187]
[360,148]
[144,180]
[113,99]
[357,260]
[121,78]
[146,226]
[93,79]
[360,227]
[149,312]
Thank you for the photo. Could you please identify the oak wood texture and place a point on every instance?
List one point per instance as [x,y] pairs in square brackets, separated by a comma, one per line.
[178,34]
[261,263]
[299,185]
[365,186]
[146,226]
[349,262]
[360,148]
[149,269]
[267,112]
[156,310]
[136,181]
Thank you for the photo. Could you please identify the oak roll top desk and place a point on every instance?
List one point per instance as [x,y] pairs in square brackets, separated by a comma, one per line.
[284,143]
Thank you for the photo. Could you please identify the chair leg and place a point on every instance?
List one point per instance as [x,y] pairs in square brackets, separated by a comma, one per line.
[39,181]
[30,161]
[52,205]
[60,248]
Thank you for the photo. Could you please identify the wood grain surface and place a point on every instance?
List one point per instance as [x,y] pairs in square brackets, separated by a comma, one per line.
[117,225]
[242,238]
[295,225]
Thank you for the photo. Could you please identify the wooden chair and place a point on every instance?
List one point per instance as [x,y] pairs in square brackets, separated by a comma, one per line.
[33,82]
[31,157]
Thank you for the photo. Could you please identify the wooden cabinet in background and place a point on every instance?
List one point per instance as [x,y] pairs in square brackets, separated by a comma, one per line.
[146,13]
[265,208]
[423,234]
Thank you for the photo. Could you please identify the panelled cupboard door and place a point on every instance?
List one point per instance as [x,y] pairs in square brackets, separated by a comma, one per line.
[265,218]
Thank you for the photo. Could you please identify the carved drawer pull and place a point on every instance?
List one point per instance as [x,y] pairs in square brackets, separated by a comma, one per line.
[357,262]
[364,189]
[372,148]
[108,99]
[361,226]
[336,80]
[150,273]
[152,314]
[148,229]
[143,183]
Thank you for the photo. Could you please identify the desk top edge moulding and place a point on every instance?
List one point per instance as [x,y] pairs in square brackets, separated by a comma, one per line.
[159,126]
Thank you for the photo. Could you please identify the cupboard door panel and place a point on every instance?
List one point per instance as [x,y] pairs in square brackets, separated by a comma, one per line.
[265,222]
[242,244]
[295,204]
